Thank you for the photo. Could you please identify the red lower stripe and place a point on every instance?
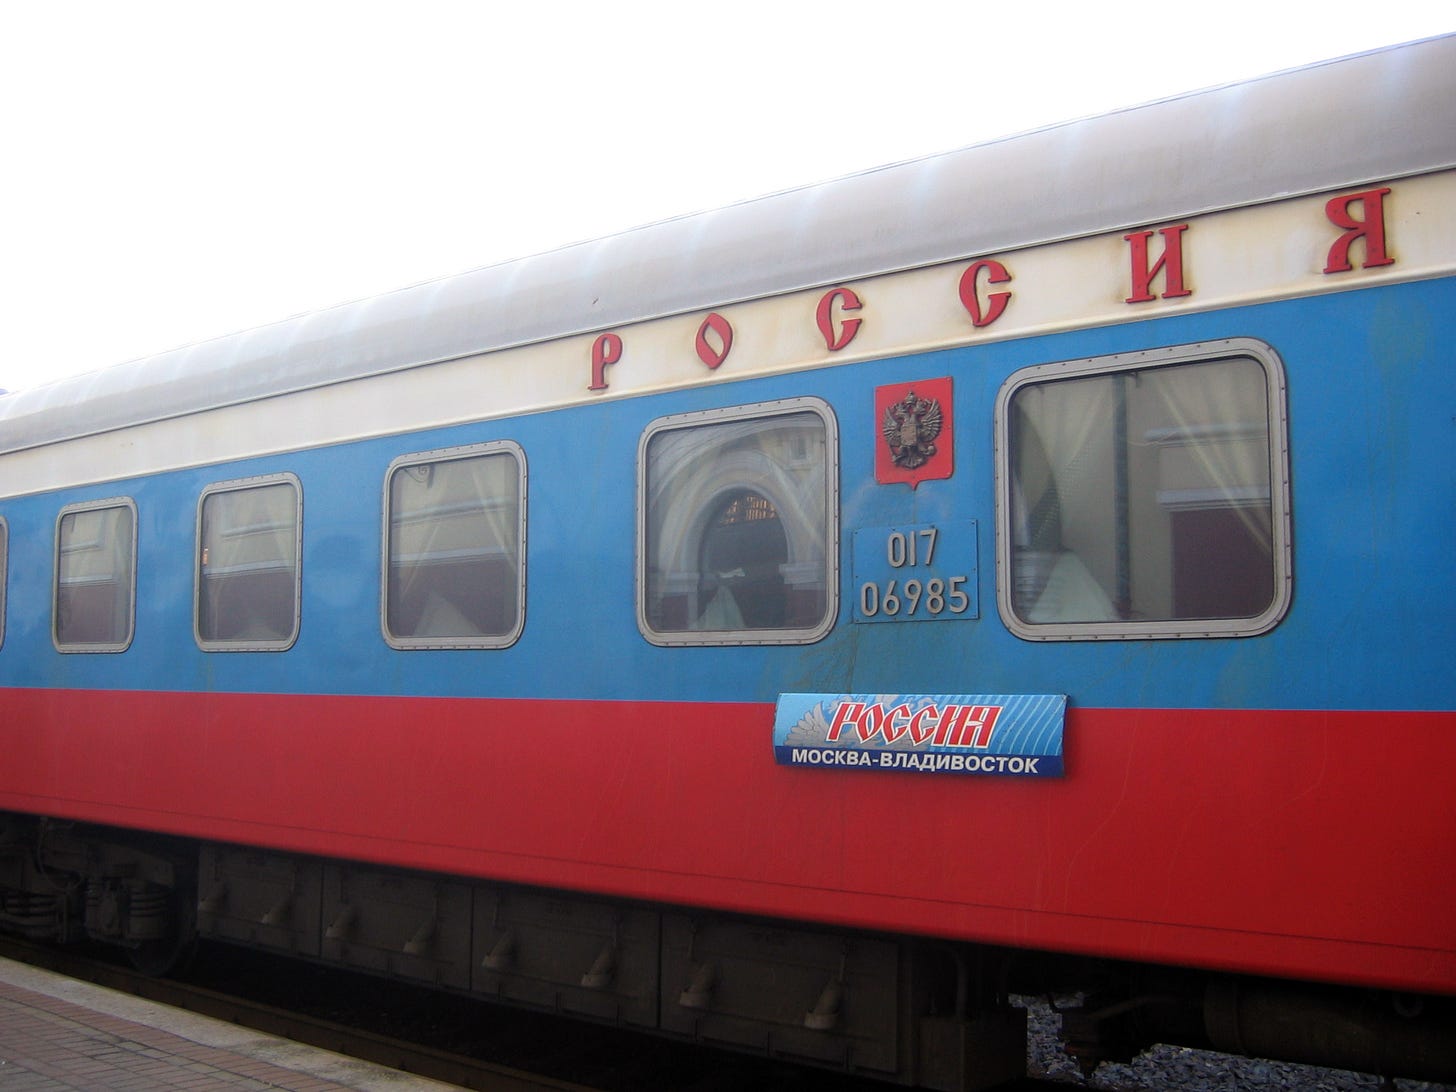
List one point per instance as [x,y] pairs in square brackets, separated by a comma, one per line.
[1308,844]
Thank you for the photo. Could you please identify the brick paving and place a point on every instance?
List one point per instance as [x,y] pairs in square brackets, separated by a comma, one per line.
[58,1035]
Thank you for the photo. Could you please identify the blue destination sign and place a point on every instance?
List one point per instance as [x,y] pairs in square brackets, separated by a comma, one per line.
[1015,735]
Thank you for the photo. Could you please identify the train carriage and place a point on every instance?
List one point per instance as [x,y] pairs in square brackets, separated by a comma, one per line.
[797,625]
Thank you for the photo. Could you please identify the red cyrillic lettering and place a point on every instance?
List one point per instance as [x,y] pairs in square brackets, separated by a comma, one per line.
[1169,263]
[848,301]
[920,726]
[996,302]
[606,349]
[1371,228]
[845,713]
[707,353]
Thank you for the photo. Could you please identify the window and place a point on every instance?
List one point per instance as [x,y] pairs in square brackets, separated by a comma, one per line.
[247,573]
[738,522]
[1144,495]
[4,566]
[455,548]
[94,598]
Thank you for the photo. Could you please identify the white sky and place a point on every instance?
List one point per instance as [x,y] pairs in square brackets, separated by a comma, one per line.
[175,171]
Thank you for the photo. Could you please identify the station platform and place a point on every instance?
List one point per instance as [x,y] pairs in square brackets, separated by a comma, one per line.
[59,1035]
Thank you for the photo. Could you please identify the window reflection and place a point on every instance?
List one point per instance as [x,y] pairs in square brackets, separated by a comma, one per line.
[738,521]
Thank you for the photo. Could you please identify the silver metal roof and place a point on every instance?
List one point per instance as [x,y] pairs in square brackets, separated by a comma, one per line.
[1372,117]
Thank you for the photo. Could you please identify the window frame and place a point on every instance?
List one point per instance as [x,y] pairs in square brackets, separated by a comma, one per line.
[452,454]
[70,647]
[4,573]
[754,411]
[1281,553]
[237,485]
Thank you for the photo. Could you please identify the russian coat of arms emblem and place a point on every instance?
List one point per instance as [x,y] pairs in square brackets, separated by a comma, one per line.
[911,426]
[914,421]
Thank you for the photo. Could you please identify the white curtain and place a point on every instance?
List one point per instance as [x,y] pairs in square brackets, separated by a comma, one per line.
[1100,465]
[94,580]
[442,517]
[249,564]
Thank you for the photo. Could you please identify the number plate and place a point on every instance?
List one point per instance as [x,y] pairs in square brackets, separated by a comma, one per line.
[923,572]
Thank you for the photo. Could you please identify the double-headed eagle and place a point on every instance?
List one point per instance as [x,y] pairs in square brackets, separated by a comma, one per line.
[910,427]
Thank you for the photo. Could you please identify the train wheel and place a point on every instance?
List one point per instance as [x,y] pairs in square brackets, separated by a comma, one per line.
[171,954]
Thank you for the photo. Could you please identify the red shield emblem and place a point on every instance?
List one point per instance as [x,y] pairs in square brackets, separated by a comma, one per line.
[915,440]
